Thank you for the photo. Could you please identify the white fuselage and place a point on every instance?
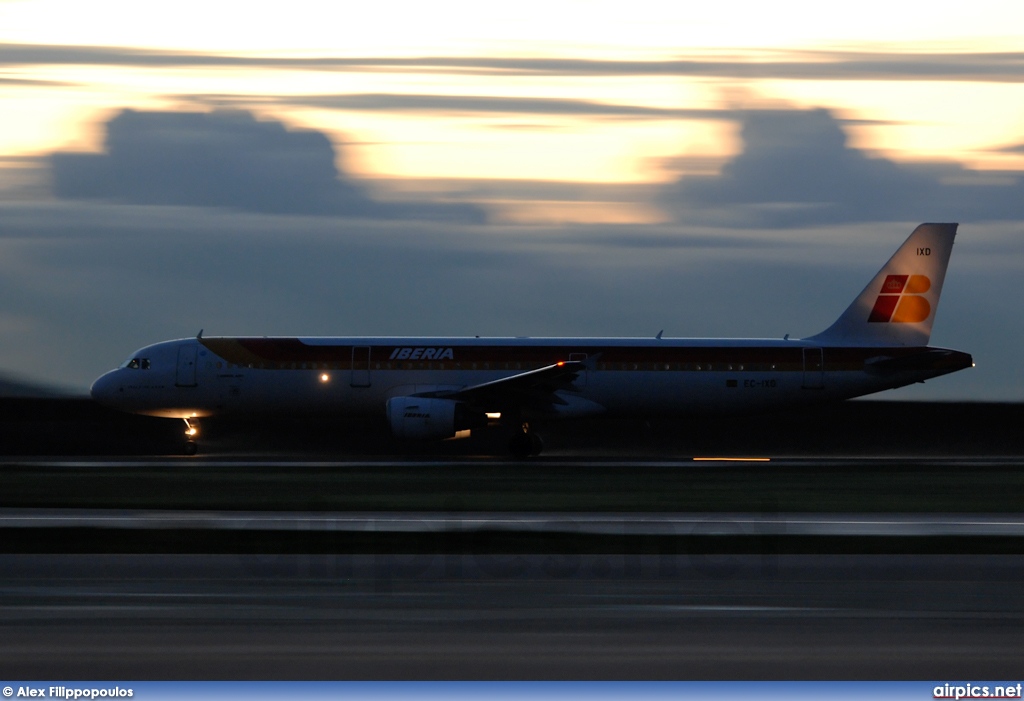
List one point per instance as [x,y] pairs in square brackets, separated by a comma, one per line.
[208,376]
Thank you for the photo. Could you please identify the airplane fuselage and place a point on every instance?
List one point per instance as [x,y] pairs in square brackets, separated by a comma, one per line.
[436,388]
[208,376]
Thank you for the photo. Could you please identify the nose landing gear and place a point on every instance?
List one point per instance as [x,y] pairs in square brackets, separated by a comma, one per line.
[191,447]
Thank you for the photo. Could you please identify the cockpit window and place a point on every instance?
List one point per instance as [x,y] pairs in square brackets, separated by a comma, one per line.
[137,364]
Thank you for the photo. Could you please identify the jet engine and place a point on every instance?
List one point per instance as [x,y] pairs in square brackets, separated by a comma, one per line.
[427,418]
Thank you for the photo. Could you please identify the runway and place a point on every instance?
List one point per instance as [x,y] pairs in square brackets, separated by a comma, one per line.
[462,568]
[549,485]
[613,524]
[272,461]
[472,616]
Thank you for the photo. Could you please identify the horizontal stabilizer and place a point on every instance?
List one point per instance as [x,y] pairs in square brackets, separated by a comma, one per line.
[938,360]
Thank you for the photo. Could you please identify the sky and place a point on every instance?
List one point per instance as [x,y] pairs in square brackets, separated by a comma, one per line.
[537,168]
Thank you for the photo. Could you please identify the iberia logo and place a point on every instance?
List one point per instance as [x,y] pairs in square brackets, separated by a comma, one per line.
[900,299]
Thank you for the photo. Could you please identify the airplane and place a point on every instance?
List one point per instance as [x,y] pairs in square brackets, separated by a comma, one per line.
[441,388]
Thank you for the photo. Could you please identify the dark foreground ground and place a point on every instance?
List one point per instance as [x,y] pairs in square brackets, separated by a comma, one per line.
[108,602]
[857,428]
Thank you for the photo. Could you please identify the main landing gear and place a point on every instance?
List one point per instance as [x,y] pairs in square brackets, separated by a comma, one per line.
[191,447]
[525,443]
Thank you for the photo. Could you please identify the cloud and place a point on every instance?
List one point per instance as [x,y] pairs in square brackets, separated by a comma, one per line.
[475,104]
[225,159]
[797,168]
[32,83]
[1005,67]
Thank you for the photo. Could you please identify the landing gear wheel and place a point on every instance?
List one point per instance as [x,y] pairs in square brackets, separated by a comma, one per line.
[519,445]
[536,444]
[191,448]
[525,443]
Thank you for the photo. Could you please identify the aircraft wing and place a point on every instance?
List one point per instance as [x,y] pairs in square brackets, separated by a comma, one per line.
[534,390]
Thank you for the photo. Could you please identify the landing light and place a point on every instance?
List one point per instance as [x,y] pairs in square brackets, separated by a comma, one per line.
[325,377]
[191,431]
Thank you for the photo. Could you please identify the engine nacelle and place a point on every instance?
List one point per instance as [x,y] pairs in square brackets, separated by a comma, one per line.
[425,418]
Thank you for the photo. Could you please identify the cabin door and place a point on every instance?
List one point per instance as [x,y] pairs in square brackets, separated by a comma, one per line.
[814,369]
[186,374]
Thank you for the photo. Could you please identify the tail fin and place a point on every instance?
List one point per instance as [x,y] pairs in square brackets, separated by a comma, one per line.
[898,306]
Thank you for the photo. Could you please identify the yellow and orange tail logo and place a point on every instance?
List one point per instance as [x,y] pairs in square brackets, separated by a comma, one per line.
[900,300]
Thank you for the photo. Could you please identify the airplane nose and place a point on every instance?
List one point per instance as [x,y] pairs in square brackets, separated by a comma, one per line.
[106,388]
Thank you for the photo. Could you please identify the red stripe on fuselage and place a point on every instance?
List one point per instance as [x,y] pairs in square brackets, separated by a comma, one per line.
[289,351]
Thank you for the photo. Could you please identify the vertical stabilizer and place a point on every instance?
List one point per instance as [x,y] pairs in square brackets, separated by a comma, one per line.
[898,306]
